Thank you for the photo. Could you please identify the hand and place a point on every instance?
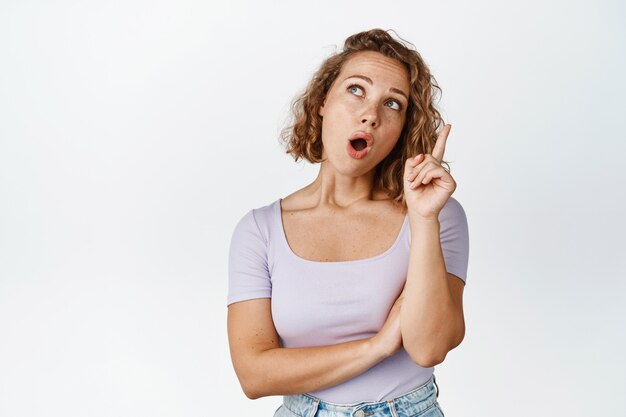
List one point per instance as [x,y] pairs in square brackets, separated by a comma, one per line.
[427,185]
[388,340]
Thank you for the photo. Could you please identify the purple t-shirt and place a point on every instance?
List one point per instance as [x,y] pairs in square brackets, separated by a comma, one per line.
[325,303]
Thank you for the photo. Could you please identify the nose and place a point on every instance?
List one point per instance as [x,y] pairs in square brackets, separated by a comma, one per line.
[369,121]
[370,117]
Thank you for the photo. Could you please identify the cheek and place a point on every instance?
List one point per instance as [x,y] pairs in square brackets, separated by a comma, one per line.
[337,115]
[342,105]
[395,124]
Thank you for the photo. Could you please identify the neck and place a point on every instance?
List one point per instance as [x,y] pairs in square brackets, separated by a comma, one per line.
[334,189]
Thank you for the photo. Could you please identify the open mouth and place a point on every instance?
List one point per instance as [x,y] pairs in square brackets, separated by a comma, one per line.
[358,144]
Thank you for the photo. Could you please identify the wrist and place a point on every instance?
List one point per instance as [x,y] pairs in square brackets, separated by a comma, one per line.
[375,349]
[424,218]
[418,222]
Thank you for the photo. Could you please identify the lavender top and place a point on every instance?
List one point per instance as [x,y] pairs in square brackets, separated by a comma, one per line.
[325,303]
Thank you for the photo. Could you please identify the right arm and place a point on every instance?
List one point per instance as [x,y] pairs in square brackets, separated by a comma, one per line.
[264,368]
[261,364]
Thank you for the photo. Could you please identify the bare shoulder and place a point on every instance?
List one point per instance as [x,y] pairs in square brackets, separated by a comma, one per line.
[294,201]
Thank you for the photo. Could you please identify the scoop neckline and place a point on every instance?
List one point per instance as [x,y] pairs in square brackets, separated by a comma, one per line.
[281,227]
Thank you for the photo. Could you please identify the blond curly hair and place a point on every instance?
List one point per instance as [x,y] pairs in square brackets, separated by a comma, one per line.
[303,137]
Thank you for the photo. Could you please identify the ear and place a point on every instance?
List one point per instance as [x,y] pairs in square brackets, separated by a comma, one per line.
[320,112]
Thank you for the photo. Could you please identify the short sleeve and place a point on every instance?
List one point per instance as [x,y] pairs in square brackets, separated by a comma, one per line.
[454,237]
[248,272]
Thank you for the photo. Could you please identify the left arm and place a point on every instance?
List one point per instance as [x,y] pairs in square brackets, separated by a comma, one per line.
[431,317]
[431,313]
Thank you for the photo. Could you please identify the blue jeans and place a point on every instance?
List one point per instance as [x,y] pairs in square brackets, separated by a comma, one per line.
[421,402]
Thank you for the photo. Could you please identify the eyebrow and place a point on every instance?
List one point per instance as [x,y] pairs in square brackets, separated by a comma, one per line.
[369,80]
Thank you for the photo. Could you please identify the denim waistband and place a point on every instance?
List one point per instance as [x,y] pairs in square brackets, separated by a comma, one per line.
[409,404]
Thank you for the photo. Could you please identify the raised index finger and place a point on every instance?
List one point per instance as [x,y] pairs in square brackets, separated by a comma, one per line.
[440,144]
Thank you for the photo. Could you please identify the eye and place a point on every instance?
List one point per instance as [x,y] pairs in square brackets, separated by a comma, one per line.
[355,87]
[398,105]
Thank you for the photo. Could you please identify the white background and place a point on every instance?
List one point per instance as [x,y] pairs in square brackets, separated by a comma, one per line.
[134,135]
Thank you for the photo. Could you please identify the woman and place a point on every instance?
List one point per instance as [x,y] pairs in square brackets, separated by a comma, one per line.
[344,295]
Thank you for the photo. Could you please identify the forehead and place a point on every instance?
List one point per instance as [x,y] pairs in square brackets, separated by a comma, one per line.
[376,66]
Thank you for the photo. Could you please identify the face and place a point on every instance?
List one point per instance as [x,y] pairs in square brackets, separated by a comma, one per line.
[369,96]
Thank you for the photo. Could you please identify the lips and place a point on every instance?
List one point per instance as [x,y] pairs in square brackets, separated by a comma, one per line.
[355,149]
[363,135]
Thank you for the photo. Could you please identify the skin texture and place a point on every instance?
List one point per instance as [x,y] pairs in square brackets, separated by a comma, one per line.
[427,318]
[363,107]
[431,318]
